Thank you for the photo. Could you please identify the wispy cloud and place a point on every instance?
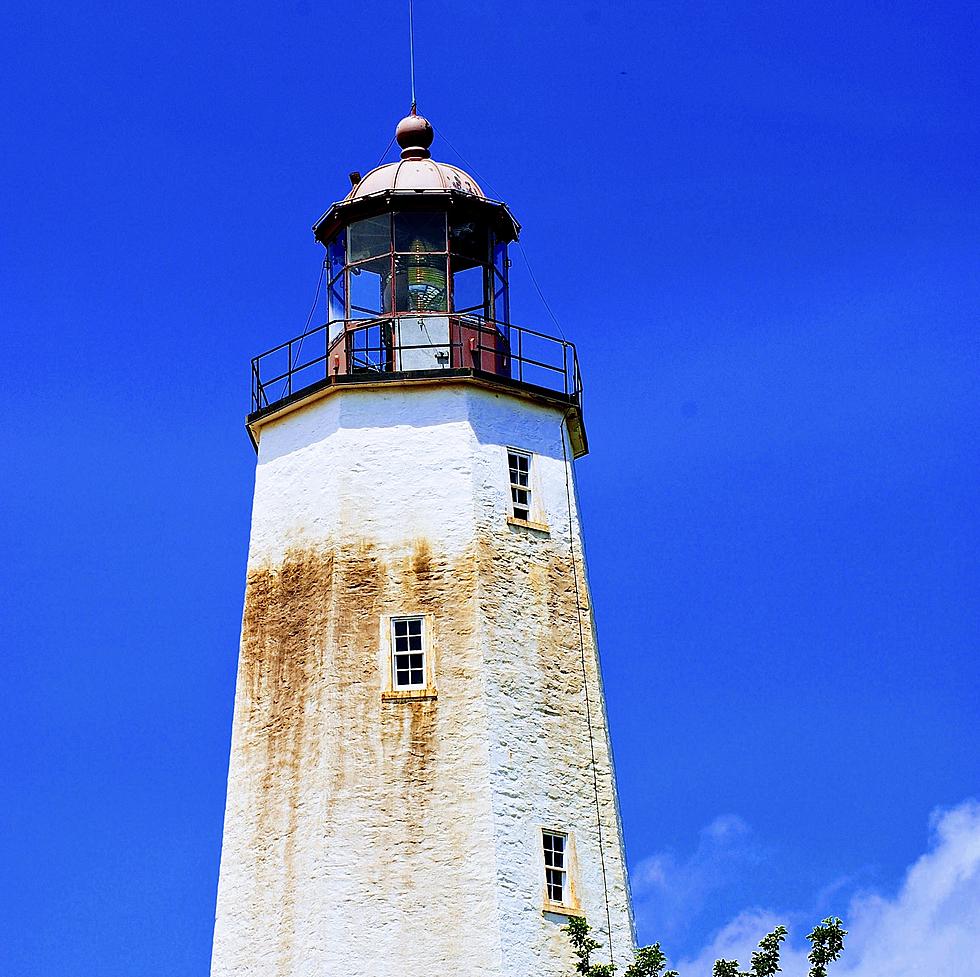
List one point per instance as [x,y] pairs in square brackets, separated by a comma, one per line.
[931,926]
[670,891]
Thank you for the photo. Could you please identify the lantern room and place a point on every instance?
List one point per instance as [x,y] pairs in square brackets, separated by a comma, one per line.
[416,266]
[416,272]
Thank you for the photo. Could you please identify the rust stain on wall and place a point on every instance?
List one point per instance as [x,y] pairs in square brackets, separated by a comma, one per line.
[281,655]
[321,747]
[318,740]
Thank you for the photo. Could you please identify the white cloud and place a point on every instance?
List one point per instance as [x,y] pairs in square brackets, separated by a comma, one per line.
[669,891]
[930,928]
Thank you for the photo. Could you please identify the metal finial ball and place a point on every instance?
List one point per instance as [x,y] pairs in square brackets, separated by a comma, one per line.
[414,135]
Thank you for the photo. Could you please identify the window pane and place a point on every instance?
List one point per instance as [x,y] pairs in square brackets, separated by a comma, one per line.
[336,255]
[408,658]
[420,283]
[501,303]
[470,240]
[370,237]
[420,233]
[500,260]
[336,304]
[469,287]
[367,288]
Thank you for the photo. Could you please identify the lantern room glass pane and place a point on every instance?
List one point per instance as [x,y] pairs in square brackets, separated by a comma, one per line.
[469,286]
[500,259]
[336,307]
[420,233]
[420,283]
[470,240]
[501,303]
[368,284]
[370,237]
[336,256]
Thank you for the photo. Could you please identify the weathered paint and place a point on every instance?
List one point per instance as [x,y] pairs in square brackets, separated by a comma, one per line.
[366,837]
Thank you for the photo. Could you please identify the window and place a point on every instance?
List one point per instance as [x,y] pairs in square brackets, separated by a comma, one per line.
[519,463]
[555,865]
[407,653]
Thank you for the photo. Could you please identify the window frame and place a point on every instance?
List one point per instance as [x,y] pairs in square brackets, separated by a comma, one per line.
[409,652]
[560,869]
[387,658]
[570,904]
[515,487]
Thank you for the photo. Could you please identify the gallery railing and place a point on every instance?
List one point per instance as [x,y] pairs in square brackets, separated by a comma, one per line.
[416,343]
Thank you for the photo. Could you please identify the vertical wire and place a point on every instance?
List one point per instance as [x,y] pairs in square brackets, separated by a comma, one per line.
[562,428]
[411,48]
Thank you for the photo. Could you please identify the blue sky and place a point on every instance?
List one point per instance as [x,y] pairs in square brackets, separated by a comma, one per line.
[759,223]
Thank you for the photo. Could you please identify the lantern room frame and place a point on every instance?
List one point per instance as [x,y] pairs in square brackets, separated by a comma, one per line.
[374,235]
[442,234]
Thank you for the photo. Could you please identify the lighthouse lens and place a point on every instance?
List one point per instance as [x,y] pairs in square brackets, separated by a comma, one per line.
[420,283]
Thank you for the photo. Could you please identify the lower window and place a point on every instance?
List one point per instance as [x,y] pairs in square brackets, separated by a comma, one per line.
[555,865]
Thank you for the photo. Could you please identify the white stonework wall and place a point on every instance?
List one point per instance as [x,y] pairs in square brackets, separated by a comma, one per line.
[366,837]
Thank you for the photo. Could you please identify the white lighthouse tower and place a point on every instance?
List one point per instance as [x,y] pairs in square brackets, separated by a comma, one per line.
[421,782]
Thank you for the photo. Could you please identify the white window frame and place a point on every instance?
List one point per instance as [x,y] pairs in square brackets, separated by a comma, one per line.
[515,486]
[388,649]
[563,868]
[422,651]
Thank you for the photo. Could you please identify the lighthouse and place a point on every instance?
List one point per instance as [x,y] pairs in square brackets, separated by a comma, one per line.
[421,782]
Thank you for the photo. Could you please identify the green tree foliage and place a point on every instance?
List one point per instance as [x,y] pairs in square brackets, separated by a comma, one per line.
[826,946]
[583,945]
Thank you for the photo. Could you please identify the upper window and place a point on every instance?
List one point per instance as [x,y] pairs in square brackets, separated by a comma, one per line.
[407,653]
[519,463]
[555,865]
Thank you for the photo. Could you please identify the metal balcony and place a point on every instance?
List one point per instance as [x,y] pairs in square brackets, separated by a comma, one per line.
[419,345]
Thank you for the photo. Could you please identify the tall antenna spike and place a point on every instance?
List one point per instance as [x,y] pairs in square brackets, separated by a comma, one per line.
[411,48]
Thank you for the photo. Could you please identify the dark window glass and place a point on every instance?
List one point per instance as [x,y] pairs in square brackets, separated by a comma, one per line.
[420,283]
[370,237]
[420,233]
[470,240]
